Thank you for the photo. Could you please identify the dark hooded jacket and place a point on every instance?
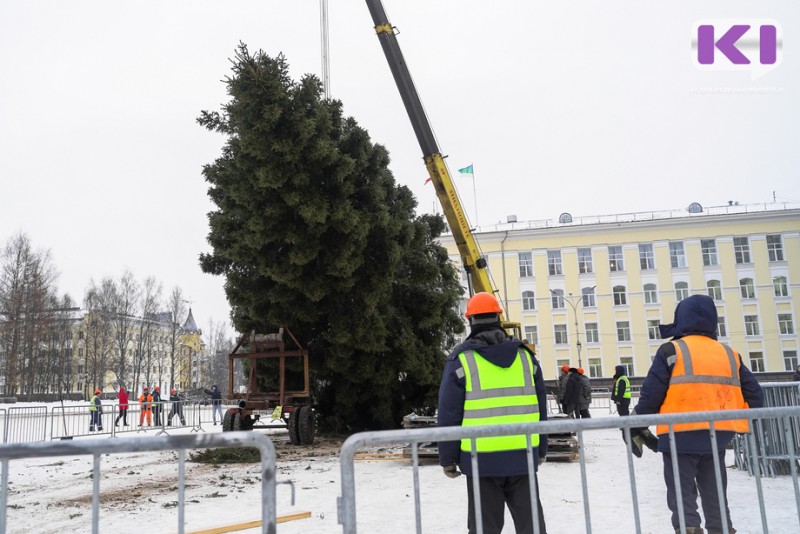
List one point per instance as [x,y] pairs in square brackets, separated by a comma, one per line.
[500,349]
[696,315]
[618,393]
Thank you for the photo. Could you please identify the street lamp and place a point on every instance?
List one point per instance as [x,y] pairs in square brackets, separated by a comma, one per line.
[575,303]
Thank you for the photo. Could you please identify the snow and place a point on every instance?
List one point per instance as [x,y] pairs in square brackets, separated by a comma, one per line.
[139,492]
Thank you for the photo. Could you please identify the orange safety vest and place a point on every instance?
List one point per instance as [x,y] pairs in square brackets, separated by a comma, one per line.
[705,378]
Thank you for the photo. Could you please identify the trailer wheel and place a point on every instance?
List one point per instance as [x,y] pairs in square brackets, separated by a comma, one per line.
[227,421]
[237,422]
[307,425]
[294,427]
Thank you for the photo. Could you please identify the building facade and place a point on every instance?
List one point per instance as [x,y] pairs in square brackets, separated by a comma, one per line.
[591,292]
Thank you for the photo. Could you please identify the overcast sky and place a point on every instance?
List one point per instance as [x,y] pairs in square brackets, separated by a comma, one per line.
[586,107]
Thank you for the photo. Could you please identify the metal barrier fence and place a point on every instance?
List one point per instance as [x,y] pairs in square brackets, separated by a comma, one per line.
[180,443]
[601,398]
[346,503]
[25,425]
[773,438]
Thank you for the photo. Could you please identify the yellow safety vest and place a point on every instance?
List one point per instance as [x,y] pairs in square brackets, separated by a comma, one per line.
[627,394]
[497,395]
[705,378]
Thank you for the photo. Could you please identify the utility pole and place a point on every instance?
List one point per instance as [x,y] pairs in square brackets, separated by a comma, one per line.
[326,61]
[575,303]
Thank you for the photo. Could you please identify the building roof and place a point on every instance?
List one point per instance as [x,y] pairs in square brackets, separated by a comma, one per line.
[189,326]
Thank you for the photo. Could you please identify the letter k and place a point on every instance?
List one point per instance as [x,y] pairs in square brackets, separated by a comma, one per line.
[726,44]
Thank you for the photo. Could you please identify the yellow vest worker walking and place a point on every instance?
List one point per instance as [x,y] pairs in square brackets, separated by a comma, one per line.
[492,379]
[695,373]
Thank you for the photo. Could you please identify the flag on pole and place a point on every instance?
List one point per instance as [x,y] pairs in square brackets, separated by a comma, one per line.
[466,170]
[428,179]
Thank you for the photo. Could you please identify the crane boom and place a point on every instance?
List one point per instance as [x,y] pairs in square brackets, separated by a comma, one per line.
[474,264]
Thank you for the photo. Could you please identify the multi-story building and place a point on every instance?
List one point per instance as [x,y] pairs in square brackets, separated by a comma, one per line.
[592,291]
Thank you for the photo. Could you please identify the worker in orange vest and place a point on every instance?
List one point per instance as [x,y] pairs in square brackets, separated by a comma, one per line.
[145,400]
[696,373]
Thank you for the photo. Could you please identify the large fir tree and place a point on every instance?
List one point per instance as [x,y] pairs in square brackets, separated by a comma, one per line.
[312,231]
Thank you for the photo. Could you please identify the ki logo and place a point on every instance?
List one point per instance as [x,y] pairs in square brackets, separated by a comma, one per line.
[753,45]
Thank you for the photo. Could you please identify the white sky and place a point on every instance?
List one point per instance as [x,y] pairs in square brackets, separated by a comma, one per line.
[586,107]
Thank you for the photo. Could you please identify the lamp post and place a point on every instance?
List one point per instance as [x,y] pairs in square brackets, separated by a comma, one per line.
[575,303]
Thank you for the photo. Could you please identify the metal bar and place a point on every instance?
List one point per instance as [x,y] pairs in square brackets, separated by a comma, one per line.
[721,498]
[417,504]
[476,487]
[757,474]
[673,452]
[586,514]
[96,494]
[181,489]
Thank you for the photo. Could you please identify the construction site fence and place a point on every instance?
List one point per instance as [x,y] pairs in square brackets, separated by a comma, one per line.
[98,447]
[38,423]
[759,418]
[601,399]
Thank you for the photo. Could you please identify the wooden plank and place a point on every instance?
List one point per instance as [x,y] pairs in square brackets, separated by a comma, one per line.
[251,524]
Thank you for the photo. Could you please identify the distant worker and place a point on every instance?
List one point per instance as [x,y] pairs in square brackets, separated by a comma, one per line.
[176,408]
[563,376]
[123,407]
[216,403]
[585,398]
[696,373]
[145,401]
[621,391]
[572,394]
[490,379]
[96,412]
[157,405]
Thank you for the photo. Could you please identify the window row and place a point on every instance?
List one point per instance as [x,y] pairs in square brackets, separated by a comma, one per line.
[677,256]
[591,331]
[747,290]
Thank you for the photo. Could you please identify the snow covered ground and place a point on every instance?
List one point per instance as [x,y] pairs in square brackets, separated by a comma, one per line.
[139,492]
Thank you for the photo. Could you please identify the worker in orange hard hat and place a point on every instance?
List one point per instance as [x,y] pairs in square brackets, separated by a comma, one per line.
[563,376]
[585,397]
[157,406]
[96,412]
[146,401]
[176,408]
[490,379]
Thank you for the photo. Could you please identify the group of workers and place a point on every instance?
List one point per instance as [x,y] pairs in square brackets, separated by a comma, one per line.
[493,378]
[151,406]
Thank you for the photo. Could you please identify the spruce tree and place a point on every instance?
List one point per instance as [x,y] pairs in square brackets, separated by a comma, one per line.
[311,230]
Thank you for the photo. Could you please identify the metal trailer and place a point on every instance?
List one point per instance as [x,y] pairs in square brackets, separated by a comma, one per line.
[292,406]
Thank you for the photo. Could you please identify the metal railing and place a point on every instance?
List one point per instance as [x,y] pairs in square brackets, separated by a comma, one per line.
[25,424]
[347,501]
[98,447]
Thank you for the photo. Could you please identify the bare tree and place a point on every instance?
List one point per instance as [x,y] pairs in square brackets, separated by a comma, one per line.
[124,308]
[218,346]
[176,306]
[148,331]
[99,326]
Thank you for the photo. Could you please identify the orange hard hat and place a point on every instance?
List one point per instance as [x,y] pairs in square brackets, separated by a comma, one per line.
[145,388]
[157,388]
[580,370]
[98,392]
[565,368]
[173,390]
[482,303]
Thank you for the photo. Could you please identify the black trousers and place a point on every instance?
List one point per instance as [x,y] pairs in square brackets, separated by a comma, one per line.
[624,408]
[697,476]
[496,492]
[123,413]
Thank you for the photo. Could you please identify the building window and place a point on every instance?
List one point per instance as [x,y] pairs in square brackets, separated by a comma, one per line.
[650,294]
[562,362]
[709,249]
[714,289]
[528,301]
[623,331]
[751,325]
[554,262]
[627,363]
[532,335]
[785,323]
[585,260]
[595,367]
[789,360]
[80,334]
[780,287]
[756,362]
[677,256]
[721,330]
[619,296]
[560,331]
[681,291]
[588,297]
[647,260]
[615,261]
[775,247]
[741,249]
[525,264]
[653,331]
[746,286]
[557,298]
[592,333]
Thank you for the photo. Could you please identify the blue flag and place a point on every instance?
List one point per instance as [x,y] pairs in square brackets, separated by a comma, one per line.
[466,170]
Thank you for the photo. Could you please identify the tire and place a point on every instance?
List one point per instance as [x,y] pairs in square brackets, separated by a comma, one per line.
[227,421]
[307,426]
[237,422]
[294,427]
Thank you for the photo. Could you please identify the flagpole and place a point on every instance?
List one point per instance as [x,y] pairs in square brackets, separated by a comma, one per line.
[475,196]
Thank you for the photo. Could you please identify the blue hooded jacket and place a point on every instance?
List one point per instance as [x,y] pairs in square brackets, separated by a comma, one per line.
[695,315]
[500,349]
